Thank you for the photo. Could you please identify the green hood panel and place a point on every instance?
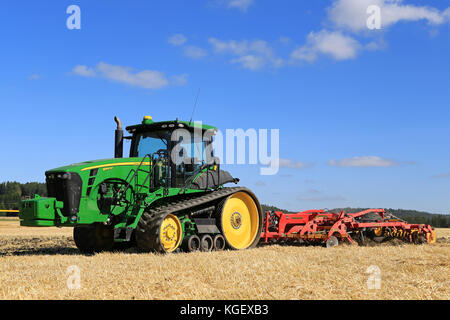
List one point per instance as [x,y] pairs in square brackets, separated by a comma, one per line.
[98,164]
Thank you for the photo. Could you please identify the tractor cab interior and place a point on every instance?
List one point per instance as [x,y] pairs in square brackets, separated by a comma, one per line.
[177,159]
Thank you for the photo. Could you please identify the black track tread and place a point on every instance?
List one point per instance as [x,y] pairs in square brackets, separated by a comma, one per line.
[148,228]
[87,240]
[84,237]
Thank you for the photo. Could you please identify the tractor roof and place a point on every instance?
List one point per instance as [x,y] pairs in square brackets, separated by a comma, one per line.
[149,125]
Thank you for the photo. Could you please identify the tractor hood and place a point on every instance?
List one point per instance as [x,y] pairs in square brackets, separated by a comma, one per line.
[105,164]
[73,189]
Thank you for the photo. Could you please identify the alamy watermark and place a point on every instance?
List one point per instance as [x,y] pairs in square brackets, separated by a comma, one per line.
[374,280]
[373,22]
[235,146]
[74,277]
[74,20]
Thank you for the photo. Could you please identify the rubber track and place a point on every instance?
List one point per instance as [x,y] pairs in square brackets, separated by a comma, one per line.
[148,228]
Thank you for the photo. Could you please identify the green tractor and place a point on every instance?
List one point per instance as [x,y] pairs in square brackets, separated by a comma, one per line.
[169,195]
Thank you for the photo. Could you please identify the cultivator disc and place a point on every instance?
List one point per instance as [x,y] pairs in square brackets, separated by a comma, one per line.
[378,232]
[431,237]
[332,242]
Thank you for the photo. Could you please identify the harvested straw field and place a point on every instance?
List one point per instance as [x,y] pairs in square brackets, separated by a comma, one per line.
[39,264]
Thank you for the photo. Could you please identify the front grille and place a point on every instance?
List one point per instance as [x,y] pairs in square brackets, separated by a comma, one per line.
[65,187]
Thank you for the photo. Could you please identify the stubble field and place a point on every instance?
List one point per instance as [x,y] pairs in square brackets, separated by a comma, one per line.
[39,263]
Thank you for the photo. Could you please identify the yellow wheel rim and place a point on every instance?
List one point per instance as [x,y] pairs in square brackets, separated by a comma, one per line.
[171,233]
[240,220]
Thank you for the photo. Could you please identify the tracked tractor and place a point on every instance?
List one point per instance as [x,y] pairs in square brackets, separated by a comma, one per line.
[168,195]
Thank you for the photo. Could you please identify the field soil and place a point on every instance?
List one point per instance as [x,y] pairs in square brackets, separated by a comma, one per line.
[42,263]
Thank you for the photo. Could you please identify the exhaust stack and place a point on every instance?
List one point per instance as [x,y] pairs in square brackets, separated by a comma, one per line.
[118,143]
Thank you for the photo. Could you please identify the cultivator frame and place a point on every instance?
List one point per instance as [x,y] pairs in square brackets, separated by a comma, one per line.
[330,228]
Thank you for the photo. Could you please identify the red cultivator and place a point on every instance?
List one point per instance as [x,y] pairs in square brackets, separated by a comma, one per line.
[322,227]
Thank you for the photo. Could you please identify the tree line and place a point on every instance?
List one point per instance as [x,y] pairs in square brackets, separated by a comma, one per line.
[12,192]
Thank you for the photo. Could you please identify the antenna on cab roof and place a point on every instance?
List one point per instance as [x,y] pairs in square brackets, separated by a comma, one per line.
[195,104]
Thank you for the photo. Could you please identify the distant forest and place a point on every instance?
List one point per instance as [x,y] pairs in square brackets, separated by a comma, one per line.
[12,192]
[412,216]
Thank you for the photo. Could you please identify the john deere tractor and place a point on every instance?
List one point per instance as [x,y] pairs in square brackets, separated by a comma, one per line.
[169,195]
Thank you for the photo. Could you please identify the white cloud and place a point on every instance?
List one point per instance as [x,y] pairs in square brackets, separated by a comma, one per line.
[378,44]
[446,14]
[148,79]
[345,21]
[180,80]
[194,52]
[331,43]
[177,39]
[231,46]
[363,161]
[242,5]
[442,176]
[288,163]
[250,62]
[34,76]
[242,47]
[352,14]
[285,40]
[83,71]
[252,55]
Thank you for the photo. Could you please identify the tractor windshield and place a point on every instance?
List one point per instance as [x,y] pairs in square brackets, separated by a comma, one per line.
[149,143]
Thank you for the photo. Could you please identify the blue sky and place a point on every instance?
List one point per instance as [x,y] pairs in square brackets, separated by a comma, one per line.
[363,114]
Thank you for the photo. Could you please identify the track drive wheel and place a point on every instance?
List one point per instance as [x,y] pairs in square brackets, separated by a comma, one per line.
[240,220]
[159,233]
[92,238]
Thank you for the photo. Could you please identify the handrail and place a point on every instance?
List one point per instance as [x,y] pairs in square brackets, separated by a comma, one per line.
[136,172]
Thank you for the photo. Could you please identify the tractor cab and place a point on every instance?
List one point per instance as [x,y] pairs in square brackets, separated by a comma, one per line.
[178,150]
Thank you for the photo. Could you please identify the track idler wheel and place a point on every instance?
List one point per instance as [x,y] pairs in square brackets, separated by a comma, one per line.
[240,220]
[219,242]
[206,243]
[192,243]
